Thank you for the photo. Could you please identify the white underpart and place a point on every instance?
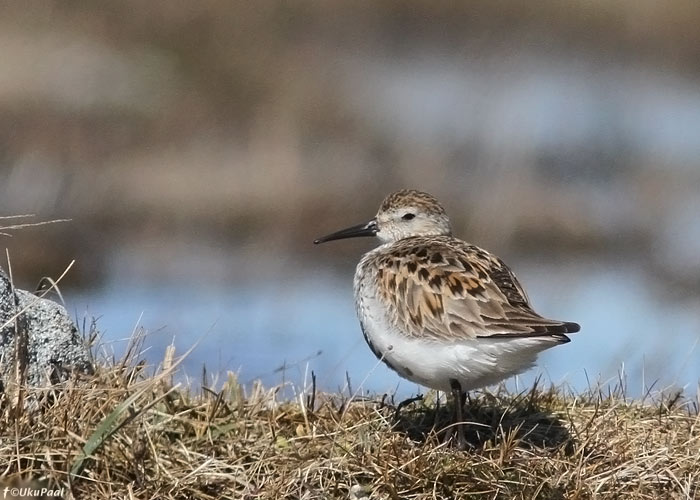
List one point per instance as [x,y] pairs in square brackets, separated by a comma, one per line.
[473,363]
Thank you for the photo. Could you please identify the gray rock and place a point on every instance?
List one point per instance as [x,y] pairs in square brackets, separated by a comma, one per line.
[54,347]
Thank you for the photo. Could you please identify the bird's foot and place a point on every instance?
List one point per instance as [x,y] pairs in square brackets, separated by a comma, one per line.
[455,436]
[405,403]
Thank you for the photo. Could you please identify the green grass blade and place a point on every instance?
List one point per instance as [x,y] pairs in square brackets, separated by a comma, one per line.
[108,426]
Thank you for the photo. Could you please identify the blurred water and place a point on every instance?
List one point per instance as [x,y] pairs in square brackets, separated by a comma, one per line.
[281,330]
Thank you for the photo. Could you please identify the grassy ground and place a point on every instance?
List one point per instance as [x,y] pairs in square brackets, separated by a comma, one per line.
[126,432]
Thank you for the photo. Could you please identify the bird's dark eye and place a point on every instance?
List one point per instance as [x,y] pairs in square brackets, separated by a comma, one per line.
[408,216]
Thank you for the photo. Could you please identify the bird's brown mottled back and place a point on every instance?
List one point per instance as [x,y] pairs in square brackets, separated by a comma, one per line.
[443,288]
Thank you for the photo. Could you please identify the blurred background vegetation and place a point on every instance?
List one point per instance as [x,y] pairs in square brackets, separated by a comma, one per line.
[201,146]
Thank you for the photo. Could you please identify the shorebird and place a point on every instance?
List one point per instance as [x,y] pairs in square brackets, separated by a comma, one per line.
[439,311]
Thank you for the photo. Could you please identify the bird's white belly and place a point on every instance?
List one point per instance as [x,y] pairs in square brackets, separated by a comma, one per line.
[433,363]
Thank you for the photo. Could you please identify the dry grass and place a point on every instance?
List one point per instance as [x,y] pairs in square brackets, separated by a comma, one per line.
[8,224]
[127,433]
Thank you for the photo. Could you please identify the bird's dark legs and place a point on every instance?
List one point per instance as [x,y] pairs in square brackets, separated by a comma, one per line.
[405,403]
[459,397]
[437,411]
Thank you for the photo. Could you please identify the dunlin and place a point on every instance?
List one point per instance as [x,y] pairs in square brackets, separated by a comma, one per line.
[439,311]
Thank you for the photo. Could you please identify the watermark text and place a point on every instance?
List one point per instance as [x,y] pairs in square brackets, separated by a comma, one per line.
[30,492]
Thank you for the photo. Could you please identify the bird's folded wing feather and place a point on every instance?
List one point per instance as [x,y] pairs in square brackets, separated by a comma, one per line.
[453,292]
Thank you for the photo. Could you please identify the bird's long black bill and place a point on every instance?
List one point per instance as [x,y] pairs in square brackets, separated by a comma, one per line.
[366,229]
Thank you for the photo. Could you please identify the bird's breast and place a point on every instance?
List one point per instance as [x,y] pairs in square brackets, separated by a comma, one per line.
[372,313]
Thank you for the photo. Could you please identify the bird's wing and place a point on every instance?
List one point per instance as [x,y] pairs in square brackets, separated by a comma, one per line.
[452,291]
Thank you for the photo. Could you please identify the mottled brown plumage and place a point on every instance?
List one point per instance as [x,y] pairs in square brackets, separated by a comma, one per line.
[445,289]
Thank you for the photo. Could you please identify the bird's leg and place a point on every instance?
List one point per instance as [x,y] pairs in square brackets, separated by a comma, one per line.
[437,410]
[459,398]
[405,403]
